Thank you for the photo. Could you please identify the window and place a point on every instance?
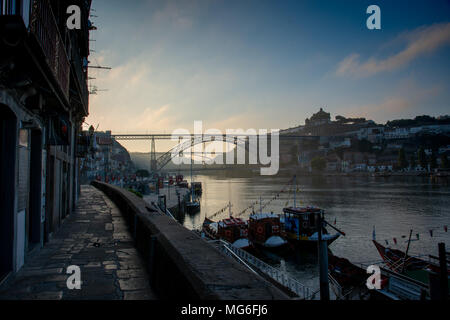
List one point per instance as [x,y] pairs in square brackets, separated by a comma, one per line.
[11,6]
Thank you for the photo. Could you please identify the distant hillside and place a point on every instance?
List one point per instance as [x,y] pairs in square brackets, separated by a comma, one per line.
[142,161]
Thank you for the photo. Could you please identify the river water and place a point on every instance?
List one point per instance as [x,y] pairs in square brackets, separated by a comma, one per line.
[394,205]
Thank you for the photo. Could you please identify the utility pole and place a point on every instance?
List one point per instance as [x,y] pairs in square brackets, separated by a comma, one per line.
[323,261]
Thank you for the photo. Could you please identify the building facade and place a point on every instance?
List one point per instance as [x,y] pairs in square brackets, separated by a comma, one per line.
[43,102]
[105,159]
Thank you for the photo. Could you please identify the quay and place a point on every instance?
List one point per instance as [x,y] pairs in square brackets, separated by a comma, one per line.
[95,238]
[126,249]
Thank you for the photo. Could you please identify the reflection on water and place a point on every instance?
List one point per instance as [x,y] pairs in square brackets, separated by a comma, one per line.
[394,205]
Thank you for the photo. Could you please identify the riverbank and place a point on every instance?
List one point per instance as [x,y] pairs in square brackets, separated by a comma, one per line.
[229,171]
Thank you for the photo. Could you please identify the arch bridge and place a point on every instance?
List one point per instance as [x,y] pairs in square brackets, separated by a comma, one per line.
[190,140]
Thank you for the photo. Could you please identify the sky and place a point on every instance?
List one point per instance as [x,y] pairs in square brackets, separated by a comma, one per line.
[264,64]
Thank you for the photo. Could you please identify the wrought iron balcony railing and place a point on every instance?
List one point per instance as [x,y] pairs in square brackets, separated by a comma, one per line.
[80,76]
[44,26]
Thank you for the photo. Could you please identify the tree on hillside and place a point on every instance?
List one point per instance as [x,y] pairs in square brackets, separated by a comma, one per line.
[400,123]
[402,163]
[425,119]
[422,157]
[444,162]
[318,163]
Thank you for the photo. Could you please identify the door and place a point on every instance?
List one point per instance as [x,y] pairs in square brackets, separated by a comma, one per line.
[56,195]
[8,143]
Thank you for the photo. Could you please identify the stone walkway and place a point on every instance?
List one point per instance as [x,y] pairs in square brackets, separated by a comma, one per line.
[96,239]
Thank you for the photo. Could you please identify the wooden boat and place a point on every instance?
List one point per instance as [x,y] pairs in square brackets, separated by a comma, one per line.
[397,260]
[265,231]
[197,187]
[300,226]
[183,184]
[233,230]
[192,206]
[408,266]
[348,281]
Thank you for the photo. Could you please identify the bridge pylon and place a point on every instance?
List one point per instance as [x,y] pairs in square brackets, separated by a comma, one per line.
[153,163]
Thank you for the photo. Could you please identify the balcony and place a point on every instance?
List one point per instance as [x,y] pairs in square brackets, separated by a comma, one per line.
[44,26]
[80,78]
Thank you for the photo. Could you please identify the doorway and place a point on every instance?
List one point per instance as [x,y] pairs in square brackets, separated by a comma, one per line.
[35,195]
[8,141]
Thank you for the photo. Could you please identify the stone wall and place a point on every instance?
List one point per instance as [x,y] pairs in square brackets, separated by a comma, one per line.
[181,265]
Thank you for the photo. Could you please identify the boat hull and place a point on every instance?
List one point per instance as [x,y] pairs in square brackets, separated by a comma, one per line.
[398,261]
[192,209]
[281,250]
[348,281]
[309,243]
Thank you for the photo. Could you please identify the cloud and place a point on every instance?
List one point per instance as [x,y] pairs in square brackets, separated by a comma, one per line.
[408,99]
[419,42]
[158,118]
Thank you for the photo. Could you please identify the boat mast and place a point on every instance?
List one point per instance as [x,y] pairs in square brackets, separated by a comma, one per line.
[192,187]
[406,253]
[229,208]
[260,205]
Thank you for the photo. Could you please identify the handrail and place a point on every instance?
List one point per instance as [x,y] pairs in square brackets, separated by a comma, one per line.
[240,260]
[170,214]
[167,212]
[274,273]
[337,288]
[404,277]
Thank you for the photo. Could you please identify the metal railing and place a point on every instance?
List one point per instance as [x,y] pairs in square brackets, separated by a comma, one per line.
[279,276]
[403,286]
[166,211]
[170,214]
[232,253]
[335,286]
[44,27]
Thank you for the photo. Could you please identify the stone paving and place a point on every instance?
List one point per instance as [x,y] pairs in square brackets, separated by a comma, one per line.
[95,238]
